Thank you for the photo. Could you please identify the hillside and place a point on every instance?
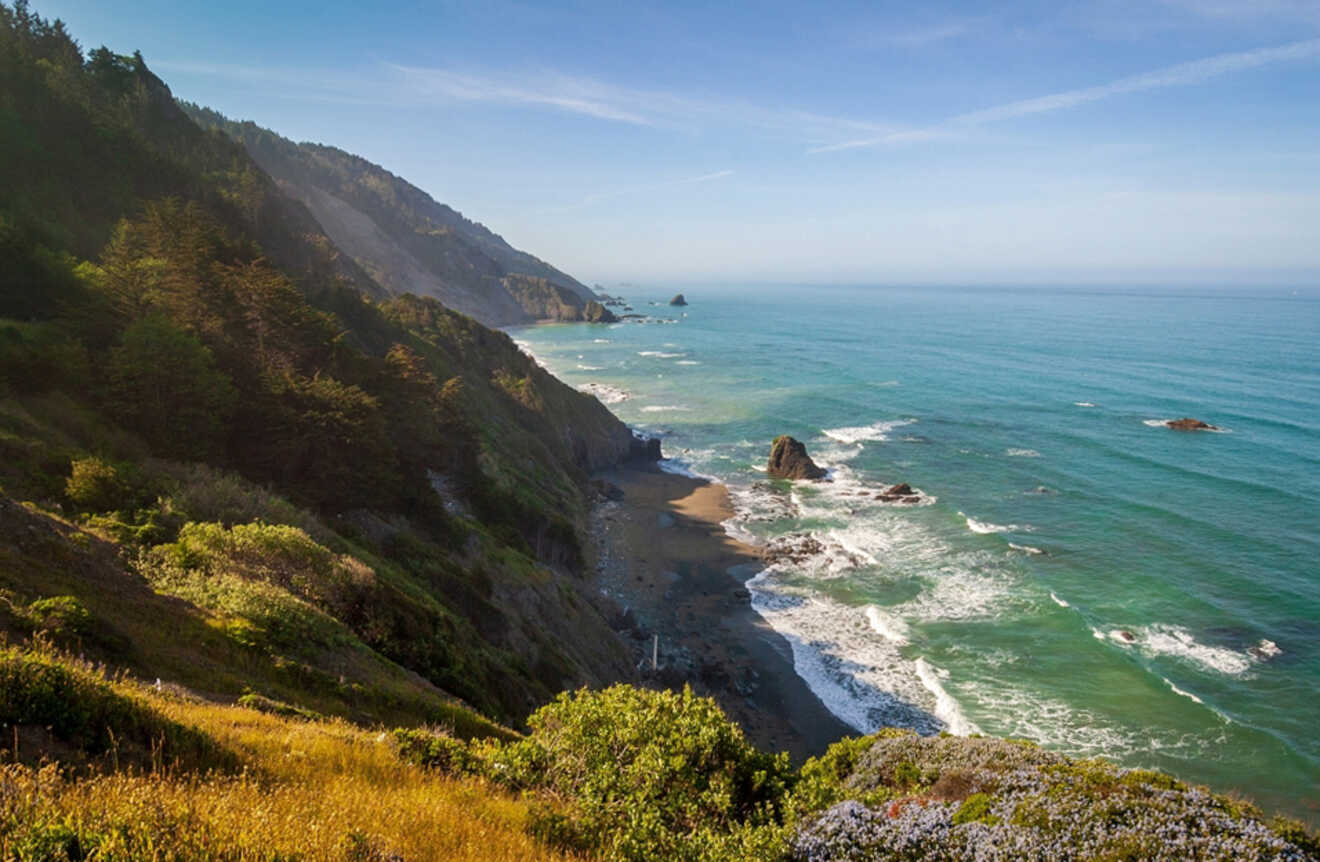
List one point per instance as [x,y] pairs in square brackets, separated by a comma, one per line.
[407,241]
[194,379]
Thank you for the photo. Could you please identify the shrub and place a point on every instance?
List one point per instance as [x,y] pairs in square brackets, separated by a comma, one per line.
[203,493]
[95,485]
[294,586]
[437,751]
[60,615]
[647,775]
[1029,804]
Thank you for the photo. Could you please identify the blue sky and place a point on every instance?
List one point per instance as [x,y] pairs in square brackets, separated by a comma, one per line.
[1013,142]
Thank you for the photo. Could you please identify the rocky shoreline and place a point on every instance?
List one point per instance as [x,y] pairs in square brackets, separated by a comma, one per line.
[677,578]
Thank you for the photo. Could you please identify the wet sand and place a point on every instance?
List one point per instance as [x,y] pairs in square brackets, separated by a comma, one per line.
[664,558]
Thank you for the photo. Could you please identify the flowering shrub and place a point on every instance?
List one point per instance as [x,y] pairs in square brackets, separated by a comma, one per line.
[989,799]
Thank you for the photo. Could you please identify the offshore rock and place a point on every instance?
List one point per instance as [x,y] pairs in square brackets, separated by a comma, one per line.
[1189,424]
[900,493]
[678,300]
[789,460]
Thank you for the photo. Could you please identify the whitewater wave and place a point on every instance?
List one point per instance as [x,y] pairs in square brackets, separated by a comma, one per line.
[582,367]
[600,341]
[875,432]
[1022,453]
[985,527]
[1083,404]
[890,627]
[1026,549]
[1176,642]
[947,709]
[1024,714]
[860,675]
[1060,602]
[660,354]
[687,362]
[665,408]
[1183,692]
[605,393]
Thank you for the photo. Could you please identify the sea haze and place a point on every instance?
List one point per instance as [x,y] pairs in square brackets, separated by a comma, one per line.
[1075,572]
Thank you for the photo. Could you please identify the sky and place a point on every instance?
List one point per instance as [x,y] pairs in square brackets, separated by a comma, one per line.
[1053,142]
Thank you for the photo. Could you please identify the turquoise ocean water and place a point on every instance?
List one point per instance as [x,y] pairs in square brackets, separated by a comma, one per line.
[1076,573]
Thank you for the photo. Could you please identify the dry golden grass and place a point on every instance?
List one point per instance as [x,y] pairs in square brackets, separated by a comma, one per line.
[313,790]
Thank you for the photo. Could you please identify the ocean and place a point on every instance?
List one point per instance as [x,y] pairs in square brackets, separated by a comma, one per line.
[1075,573]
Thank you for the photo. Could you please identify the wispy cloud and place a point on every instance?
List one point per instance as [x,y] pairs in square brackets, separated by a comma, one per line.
[598,197]
[575,96]
[1181,75]
[605,101]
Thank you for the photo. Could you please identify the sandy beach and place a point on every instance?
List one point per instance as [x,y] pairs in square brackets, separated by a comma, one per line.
[663,557]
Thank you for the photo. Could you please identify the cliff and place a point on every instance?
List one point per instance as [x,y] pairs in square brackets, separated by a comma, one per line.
[407,241]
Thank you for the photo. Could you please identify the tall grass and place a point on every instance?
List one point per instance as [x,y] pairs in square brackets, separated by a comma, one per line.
[304,790]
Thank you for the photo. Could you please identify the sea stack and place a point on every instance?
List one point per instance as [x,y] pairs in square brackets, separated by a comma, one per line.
[789,460]
[1189,424]
[678,300]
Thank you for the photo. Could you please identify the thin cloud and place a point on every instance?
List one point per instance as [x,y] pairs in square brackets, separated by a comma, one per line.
[569,95]
[1181,75]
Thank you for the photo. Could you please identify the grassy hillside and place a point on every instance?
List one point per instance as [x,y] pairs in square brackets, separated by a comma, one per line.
[407,241]
[181,382]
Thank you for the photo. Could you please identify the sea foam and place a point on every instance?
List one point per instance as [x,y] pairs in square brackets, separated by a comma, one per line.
[607,394]
[877,431]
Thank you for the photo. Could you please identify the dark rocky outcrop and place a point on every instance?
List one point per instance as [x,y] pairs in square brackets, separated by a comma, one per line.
[645,448]
[1189,424]
[678,300]
[596,312]
[900,493]
[789,460]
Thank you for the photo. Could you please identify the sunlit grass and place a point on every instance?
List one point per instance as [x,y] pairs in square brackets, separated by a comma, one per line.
[311,790]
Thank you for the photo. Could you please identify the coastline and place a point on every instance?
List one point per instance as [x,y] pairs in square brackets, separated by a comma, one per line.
[663,556]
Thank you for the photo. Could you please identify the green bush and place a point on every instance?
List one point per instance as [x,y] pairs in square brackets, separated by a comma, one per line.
[60,615]
[95,485]
[647,775]
[437,751]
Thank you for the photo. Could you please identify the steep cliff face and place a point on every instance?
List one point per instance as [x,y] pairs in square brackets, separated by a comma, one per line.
[542,299]
[407,241]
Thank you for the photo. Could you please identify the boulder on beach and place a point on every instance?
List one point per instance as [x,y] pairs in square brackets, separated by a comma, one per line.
[678,300]
[1190,424]
[789,460]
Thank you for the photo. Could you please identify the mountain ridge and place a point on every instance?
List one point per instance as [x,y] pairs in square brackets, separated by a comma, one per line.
[408,241]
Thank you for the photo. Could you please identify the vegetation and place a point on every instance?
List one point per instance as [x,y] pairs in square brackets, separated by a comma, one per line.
[254,511]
